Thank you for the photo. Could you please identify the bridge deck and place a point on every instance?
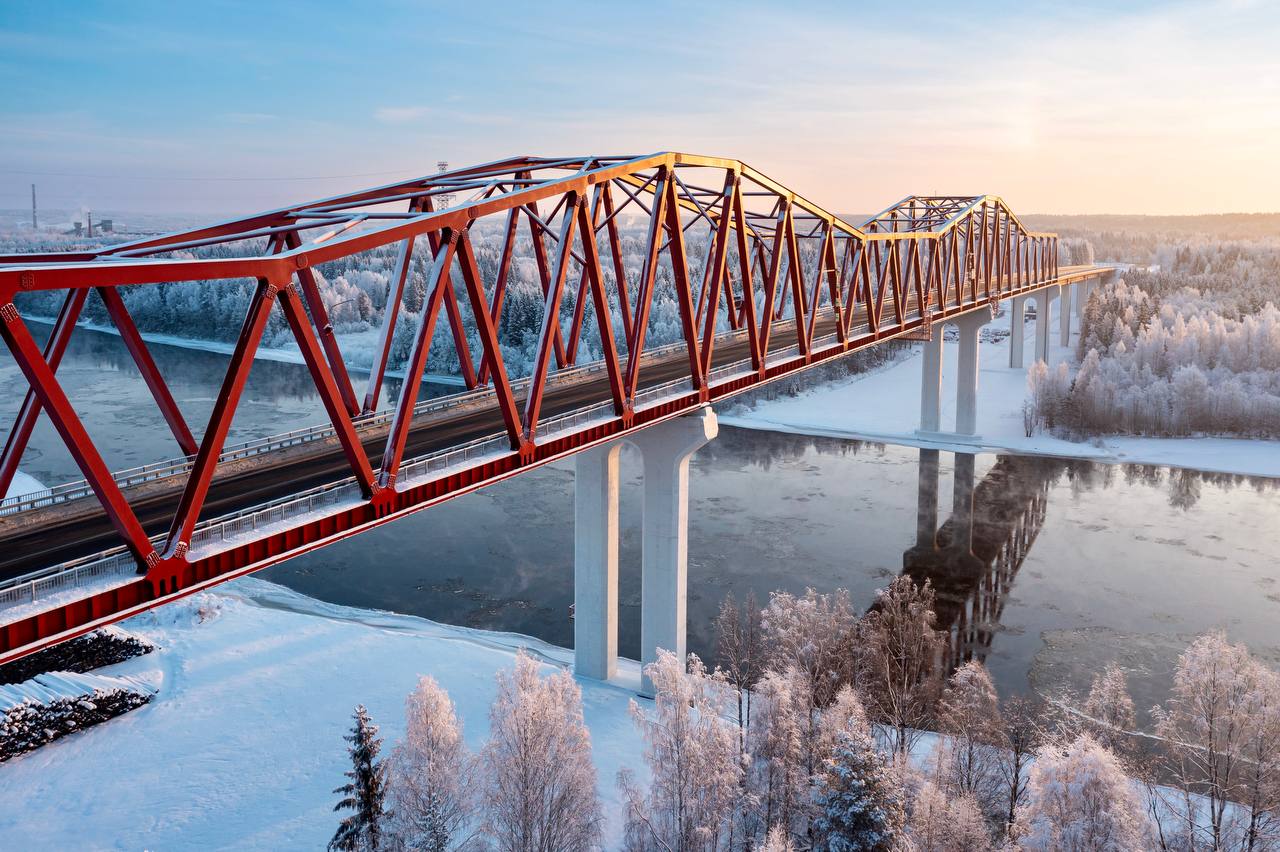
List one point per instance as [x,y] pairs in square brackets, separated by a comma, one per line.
[769,252]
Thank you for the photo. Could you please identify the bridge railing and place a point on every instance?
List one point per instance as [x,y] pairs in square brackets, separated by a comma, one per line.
[179,466]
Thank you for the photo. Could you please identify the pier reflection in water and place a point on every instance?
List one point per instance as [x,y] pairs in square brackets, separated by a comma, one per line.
[971,561]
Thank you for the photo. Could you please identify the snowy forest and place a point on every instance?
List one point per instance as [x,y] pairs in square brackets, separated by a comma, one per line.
[355,291]
[1189,346]
[823,728]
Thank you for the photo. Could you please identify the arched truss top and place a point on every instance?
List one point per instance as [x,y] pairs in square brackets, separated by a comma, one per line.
[327,229]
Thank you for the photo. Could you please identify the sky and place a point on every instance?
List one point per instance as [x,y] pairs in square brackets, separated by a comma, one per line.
[232,107]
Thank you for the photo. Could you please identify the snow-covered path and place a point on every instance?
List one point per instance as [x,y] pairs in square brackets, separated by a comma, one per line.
[884,405]
[242,746]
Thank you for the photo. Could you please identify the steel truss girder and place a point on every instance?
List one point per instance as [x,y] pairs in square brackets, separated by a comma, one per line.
[774,262]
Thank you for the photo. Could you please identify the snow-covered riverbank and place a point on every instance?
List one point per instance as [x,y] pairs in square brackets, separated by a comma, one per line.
[243,746]
[357,348]
[23,484]
[884,405]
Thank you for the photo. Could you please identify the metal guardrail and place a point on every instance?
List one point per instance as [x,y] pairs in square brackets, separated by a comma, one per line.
[66,492]
[119,562]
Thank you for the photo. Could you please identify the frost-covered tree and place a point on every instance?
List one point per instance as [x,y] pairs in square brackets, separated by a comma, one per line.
[1080,800]
[740,652]
[969,754]
[1109,709]
[430,774]
[540,784]
[1219,729]
[941,823]
[777,840]
[858,798]
[816,635]
[779,746]
[1024,733]
[365,793]
[691,748]
[900,648]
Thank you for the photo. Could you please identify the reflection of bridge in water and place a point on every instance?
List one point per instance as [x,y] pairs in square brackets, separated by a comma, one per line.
[973,558]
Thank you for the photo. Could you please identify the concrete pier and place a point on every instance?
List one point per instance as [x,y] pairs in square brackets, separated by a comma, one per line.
[967,371]
[595,561]
[667,449]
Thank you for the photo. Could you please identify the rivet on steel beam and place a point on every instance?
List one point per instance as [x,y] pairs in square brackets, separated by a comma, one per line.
[300,261]
[27,280]
[271,291]
[9,312]
[152,559]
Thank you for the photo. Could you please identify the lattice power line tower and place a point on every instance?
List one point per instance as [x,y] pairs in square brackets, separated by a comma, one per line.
[446,200]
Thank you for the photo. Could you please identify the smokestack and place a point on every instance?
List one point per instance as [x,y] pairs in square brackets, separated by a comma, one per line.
[88,215]
[34,224]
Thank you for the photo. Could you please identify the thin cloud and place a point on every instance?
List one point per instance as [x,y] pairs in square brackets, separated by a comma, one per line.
[401,114]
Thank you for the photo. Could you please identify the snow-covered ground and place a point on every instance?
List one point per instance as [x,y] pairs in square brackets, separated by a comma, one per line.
[23,484]
[884,405]
[242,746]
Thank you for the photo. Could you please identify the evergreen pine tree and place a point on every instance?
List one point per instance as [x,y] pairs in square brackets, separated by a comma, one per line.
[858,797]
[365,793]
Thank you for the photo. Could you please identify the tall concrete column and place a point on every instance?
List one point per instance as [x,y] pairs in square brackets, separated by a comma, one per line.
[595,561]
[1017,329]
[931,383]
[1082,296]
[1064,313]
[667,449]
[967,370]
[1044,303]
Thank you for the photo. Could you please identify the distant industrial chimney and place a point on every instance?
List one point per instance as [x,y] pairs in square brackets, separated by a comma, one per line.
[35,224]
[446,200]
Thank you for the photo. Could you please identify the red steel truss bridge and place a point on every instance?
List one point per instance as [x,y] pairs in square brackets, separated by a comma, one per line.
[784,285]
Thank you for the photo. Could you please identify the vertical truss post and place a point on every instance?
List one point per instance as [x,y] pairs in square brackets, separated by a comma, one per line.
[398,434]
[224,409]
[551,317]
[492,349]
[500,284]
[644,293]
[716,267]
[395,296]
[544,269]
[29,413]
[54,400]
[771,280]
[312,354]
[683,286]
[748,285]
[587,234]
[315,304]
[615,253]
[147,366]
[604,323]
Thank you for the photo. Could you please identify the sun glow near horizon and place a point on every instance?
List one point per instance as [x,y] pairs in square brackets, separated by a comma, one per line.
[1159,108]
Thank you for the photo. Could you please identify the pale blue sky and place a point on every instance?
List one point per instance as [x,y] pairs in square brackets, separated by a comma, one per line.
[1086,107]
